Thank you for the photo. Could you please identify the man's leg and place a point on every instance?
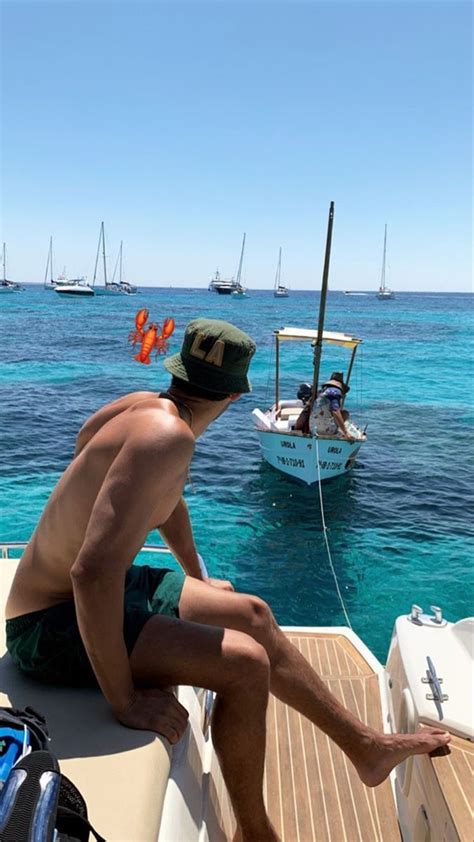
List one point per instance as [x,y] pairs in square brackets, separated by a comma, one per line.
[293,680]
[236,667]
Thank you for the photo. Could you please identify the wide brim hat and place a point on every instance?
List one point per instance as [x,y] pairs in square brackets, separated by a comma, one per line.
[215,355]
[337,379]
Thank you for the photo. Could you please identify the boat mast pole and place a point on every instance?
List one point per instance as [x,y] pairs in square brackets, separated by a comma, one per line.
[103,255]
[322,303]
[382,279]
[278,274]
[4,265]
[47,264]
[97,257]
[51,253]
[120,270]
[277,373]
[239,271]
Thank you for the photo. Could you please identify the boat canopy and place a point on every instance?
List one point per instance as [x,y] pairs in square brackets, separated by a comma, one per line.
[332,338]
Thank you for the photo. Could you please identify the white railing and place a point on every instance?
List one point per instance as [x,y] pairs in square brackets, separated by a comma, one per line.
[6,547]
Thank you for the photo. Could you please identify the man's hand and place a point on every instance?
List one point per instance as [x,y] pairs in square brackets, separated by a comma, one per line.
[222,584]
[155,710]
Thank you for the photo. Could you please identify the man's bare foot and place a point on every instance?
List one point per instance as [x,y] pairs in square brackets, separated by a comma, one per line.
[385,751]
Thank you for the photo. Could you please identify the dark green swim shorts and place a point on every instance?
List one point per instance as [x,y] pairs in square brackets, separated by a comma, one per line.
[47,644]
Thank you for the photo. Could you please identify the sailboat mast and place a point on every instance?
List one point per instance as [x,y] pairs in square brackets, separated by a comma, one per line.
[4,264]
[97,257]
[51,258]
[278,272]
[322,302]
[382,277]
[48,262]
[239,271]
[120,269]
[103,254]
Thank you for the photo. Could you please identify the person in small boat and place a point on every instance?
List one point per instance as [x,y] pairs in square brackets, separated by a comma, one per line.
[79,612]
[326,416]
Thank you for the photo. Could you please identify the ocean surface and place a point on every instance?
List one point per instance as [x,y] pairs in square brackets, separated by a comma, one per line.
[400,526]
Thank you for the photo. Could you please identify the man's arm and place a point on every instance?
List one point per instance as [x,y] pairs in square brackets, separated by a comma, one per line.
[177,534]
[339,419]
[124,512]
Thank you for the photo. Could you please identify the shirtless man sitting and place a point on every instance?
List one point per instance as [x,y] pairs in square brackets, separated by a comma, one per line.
[78,612]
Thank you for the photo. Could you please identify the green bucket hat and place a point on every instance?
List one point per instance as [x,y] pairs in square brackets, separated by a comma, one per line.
[214,355]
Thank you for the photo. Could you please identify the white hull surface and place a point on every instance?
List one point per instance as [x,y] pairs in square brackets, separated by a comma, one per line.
[297,456]
[110,289]
[74,289]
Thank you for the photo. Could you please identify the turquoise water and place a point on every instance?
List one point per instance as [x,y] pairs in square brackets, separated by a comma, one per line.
[400,525]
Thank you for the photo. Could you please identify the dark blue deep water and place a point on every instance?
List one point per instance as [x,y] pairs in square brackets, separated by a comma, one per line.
[401,525]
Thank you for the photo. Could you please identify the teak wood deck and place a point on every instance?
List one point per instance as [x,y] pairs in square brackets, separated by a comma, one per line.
[455,774]
[312,792]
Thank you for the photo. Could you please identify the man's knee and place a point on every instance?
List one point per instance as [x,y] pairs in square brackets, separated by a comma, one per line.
[261,620]
[250,662]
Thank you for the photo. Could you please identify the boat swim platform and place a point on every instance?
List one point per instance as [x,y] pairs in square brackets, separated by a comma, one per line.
[312,791]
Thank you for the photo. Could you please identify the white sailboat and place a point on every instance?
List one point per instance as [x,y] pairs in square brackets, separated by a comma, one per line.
[309,457]
[239,291]
[109,288]
[280,290]
[138,787]
[5,284]
[49,282]
[125,286]
[384,293]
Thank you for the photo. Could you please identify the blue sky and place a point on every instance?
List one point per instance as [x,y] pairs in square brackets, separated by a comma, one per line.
[184,124]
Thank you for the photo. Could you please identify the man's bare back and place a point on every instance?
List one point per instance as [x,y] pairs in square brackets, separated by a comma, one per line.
[43,575]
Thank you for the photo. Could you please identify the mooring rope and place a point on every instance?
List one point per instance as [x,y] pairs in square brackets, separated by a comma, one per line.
[325,529]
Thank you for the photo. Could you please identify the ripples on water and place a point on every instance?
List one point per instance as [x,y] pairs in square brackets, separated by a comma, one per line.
[400,525]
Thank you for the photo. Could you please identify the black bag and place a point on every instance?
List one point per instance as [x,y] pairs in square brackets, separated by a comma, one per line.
[38,802]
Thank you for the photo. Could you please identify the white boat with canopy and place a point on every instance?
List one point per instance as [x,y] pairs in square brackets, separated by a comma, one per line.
[139,788]
[309,457]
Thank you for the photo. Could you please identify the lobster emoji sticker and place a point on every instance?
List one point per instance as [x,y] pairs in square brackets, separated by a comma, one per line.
[150,337]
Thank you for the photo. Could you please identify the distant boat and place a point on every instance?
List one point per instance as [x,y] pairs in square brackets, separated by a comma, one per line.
[239,291]
[350,292]
[223,286]
[5,284]
[109,288]
[280,290]
[71,286]
[384,293]
[49,284]
[311,456]
[77,286]
[125,286]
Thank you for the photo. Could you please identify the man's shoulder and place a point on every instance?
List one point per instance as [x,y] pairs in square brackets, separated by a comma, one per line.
[149,427]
